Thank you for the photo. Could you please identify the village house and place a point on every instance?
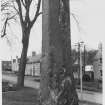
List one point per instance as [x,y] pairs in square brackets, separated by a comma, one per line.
[87,73]
[97,65]
[32,65]
[6,65]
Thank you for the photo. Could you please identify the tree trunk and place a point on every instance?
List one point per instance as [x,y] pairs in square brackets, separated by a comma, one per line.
[67,59]
[23,60]
[57,82]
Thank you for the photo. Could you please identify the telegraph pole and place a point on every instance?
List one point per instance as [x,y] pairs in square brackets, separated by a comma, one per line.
[79,62]
[80,65]
[81,72]
[84,57]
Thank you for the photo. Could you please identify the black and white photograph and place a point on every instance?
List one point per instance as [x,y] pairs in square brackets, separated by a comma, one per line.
[51,52]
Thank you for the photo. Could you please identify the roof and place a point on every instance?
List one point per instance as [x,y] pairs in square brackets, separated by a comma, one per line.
[98,55]
[34,59]
[6,61]
[76,62]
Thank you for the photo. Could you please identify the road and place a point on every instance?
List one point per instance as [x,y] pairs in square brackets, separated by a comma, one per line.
[27,83]
[94,97]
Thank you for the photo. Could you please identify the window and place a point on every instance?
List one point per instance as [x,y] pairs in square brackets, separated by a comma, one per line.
[14,60]
[100,60]
[18,60]
[101,72]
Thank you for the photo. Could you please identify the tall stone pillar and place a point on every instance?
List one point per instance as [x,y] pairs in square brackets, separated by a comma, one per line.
[57,87]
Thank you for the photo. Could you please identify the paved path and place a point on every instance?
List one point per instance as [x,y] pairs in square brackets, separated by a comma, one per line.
[90,96]
[27,83]
[86,95]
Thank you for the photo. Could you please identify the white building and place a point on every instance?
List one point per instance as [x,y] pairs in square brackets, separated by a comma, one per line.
[32,66]
[15,64]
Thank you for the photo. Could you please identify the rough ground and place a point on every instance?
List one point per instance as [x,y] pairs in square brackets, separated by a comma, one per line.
[26,96]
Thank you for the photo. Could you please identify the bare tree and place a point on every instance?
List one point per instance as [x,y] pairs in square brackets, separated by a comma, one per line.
[21,8]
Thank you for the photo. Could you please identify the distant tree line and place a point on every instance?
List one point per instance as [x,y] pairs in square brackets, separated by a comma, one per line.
[89,56]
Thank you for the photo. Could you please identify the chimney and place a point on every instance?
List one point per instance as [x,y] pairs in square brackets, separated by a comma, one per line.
[33,53]
[16,59]
[100,46]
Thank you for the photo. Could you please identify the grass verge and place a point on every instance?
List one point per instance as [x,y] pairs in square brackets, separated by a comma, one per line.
[25,96]
[87,103]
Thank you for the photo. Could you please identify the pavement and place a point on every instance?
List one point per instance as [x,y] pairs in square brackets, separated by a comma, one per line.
[89,96]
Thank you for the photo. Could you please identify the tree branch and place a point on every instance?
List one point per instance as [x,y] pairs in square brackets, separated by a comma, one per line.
[20,11]
[5,24]
[77,22]
[7,5]
[27,19]
[37,13]
[4,28]
[4,4]
[23,3]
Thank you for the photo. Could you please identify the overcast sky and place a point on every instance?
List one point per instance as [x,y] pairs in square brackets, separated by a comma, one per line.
[90,15]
